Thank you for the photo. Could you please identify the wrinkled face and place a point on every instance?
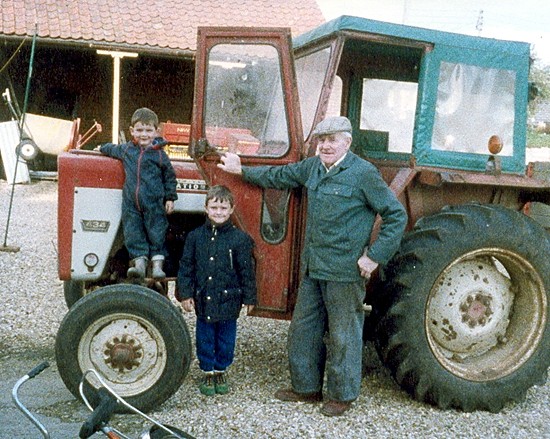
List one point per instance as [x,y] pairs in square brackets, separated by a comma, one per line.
[331,147]
[143,134]
[218,211]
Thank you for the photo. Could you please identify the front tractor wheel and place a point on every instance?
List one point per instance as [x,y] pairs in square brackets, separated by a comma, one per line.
[136,339]
[468,323]
[73,290]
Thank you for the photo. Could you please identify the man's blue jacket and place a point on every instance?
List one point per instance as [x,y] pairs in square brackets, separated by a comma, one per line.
[342,206]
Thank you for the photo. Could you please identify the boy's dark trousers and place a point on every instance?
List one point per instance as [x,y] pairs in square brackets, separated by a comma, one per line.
[215,344]
[145,231]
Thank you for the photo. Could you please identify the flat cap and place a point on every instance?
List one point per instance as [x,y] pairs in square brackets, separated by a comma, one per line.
[331,125]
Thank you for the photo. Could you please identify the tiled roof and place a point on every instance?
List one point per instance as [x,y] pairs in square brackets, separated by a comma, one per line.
[157,24]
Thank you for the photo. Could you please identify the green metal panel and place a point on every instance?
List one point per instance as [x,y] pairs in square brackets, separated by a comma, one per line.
[423,151]
[411,33]
[446,47]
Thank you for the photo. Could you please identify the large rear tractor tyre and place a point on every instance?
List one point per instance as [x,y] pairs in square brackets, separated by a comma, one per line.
[136,339]
[467,326]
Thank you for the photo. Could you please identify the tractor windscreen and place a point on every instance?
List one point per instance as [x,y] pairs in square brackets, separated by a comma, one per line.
[245,110]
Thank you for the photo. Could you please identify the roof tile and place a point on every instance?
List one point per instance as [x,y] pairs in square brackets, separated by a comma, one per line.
[173,23]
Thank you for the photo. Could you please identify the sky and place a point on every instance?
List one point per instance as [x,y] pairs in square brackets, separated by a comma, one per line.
[524,20]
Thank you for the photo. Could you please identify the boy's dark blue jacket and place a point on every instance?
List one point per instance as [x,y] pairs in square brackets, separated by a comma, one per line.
[217,271]
[150,177]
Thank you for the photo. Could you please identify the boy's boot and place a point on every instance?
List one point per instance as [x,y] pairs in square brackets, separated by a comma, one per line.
[207,386]
[220,382]
[158,261]
[139,268]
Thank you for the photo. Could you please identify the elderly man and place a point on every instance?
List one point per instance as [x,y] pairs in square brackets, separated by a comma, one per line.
[345,193]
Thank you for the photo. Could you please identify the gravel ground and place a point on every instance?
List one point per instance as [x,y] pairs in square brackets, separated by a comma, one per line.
[33,306]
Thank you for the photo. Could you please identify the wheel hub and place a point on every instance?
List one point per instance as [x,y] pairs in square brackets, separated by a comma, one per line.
[126,350]
[469,307]
[476,309]
[123,354]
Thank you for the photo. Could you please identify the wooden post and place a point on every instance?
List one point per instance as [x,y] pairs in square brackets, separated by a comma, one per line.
[117,56]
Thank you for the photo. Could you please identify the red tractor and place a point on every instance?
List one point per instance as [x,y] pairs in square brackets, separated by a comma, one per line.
[460,316]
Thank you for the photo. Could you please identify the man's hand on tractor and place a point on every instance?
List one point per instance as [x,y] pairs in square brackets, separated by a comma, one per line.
[231,163]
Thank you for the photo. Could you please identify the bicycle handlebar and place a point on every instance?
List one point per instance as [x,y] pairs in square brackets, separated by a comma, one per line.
[99,419]
[38,369]
[101,414]
[19,404]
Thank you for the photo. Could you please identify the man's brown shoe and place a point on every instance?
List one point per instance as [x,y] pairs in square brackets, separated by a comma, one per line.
[290,395]
[335,408]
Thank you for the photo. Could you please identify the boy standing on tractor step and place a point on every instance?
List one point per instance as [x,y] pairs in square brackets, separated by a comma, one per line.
[148,194]
[217,277]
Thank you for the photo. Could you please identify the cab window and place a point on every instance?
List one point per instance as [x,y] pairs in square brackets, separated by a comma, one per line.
[245,110]
[473,103]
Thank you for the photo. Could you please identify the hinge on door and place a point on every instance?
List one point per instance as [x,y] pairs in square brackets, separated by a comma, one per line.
[198,149]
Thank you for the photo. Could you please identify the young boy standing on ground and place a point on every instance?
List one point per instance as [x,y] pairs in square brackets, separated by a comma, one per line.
[148,194]
[216,277]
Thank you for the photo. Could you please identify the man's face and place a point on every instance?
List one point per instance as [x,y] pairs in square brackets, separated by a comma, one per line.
[218,211]
[332,147]
[143,134]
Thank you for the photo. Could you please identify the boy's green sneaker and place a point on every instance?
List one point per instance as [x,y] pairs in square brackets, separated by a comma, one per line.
[220,383]
[207,386]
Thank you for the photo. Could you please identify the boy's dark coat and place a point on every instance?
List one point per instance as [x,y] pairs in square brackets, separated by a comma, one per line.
[217,271]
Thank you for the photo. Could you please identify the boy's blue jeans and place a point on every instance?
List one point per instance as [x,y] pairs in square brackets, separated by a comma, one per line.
[215,344]
[326,335]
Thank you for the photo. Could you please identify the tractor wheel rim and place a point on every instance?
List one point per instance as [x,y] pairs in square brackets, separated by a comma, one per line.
[126,350]
[486,314]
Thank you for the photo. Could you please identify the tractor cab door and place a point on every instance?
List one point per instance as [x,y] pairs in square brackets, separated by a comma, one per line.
[246,102]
